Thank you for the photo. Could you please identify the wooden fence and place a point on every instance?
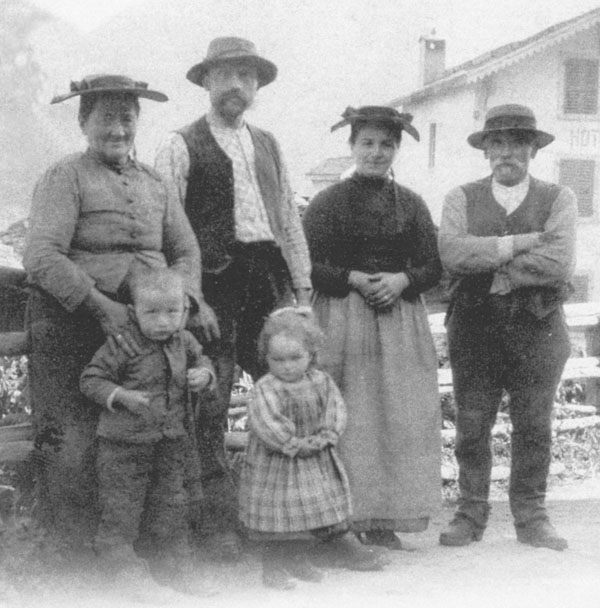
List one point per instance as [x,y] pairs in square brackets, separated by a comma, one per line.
[584,326]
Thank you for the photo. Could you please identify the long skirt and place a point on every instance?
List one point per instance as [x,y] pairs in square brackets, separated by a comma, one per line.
[386,367]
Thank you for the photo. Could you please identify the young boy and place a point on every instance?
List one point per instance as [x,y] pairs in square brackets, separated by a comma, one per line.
[142,436]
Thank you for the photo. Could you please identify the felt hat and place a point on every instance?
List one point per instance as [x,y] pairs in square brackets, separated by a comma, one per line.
[510,117]
[384,115]
[230,49]
[110,83]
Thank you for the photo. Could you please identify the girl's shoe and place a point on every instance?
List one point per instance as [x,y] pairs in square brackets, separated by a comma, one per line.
[300,567]
[347,552]
[275,573]
[277,578]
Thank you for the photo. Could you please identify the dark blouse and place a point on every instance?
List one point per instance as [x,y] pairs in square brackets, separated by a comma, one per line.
[371,225]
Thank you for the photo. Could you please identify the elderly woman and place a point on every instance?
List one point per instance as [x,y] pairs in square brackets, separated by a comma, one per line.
[96,217]
[373,249]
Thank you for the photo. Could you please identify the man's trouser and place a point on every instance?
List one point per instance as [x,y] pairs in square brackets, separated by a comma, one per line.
[242,296]
[495,347]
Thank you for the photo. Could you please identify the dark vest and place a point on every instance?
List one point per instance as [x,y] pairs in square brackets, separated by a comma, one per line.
[209,200]
[485,217]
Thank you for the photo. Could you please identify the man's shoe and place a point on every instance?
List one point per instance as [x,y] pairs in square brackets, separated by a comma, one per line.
[541,534]
[460,532]
[137,585]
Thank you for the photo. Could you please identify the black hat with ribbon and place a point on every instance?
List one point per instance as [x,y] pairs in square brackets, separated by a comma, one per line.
[383,115]
[110,83]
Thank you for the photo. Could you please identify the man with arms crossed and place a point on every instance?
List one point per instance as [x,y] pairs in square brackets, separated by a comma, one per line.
[508,242]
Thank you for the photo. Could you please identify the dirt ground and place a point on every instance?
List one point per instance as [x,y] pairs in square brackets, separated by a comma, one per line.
[497,572]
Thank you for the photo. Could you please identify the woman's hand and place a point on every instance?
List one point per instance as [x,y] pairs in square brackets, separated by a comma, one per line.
[113,319]
[380,290]
[361,282]
[386,288]
[206,321]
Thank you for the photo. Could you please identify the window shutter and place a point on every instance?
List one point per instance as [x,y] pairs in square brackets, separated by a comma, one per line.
[581,288]
[578,174]
[581,86]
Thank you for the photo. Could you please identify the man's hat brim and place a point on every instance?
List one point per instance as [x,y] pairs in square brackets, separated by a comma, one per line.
[266,70]
[477,139]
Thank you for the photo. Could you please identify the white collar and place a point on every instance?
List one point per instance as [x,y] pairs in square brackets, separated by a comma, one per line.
[512,191]
[216,122]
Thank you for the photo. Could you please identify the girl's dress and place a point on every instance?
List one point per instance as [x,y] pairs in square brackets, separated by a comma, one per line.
[384,361]
[280,491]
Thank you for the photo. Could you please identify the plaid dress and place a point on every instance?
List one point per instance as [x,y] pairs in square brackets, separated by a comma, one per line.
[281,491]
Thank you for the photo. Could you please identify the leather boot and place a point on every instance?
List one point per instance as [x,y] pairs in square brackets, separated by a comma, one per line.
[540,533]
[460,532]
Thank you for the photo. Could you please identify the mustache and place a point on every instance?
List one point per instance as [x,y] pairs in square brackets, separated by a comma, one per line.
[233,95]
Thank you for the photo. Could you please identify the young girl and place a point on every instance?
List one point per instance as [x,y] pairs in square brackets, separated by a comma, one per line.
[293,485]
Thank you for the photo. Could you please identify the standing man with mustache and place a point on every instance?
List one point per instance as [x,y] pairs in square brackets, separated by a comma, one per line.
[508,242]
[232,181]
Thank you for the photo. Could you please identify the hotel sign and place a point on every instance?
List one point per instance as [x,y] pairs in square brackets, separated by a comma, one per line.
[583,138]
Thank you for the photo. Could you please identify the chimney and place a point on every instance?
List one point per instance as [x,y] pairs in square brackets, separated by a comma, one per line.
[433,59]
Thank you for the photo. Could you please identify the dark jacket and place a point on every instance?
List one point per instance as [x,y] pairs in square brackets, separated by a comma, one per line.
[372,225]
[160,369]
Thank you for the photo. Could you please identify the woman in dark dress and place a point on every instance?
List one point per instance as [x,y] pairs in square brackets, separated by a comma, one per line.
[373,250]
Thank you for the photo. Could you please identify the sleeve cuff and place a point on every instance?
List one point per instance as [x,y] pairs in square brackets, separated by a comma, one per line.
[110,399]
[505,248]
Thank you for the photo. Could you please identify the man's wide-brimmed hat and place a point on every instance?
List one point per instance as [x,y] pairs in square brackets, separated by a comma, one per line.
[230,49]
[110,83]
[384,115]
[510,117]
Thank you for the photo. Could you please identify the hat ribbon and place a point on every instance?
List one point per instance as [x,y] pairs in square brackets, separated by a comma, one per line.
[404,118]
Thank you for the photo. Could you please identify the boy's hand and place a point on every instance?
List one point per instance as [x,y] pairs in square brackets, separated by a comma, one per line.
[137,402]
[199,378]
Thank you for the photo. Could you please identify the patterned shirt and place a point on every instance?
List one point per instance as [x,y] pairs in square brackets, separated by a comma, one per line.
[173,164]
[251,221]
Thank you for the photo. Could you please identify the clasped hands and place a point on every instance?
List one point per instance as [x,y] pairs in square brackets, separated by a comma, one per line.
[381,289]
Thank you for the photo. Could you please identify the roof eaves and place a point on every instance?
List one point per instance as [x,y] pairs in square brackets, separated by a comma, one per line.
[527,50]
[497,59]
[435,88]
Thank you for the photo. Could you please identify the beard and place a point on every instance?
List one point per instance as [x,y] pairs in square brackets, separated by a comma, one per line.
[231,105]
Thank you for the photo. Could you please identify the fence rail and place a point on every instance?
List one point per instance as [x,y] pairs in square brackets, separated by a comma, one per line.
[583,320]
